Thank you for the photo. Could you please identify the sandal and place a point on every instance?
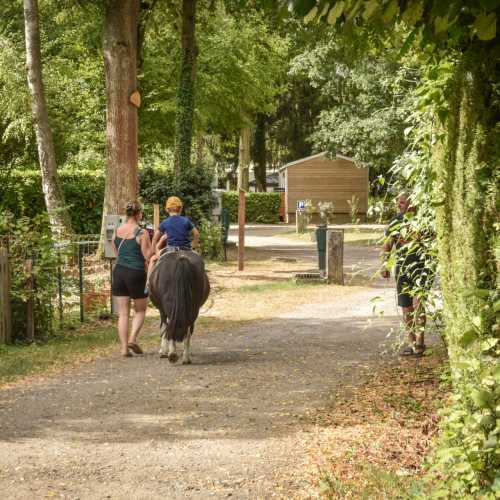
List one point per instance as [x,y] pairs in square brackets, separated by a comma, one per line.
[407,351]
[135,348]
[419,349]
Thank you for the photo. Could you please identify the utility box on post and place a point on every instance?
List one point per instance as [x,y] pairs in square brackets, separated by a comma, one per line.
[112,224]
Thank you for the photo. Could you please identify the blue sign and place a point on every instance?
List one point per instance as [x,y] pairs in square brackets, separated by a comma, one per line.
[301,204]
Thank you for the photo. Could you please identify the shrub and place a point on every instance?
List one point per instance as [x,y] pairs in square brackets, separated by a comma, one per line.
[21,194]
[259,207]
[193,186]
[211,240]
[30,239]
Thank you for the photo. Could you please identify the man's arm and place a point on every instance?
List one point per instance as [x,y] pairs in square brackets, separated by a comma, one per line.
[386,252]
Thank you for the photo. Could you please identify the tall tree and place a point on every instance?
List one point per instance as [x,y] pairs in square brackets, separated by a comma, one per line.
[54,198]
[186,89]
[259,152]
[120,61]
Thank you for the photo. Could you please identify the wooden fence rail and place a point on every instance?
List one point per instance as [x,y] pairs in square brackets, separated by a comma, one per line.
[5,310]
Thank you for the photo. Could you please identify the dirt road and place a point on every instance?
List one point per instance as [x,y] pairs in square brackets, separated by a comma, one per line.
[233,424]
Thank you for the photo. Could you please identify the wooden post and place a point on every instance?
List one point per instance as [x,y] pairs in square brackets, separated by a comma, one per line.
[30,304]
[241,231]
[156,216]
[5,311]
[335,257]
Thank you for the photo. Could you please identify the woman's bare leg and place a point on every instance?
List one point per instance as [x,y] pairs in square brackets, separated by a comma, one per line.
[123,306]
[140,306]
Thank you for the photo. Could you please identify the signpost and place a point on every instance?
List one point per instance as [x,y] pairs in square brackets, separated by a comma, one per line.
[301,217]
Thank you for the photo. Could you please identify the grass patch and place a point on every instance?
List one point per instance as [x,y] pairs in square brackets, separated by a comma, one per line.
[277,286]
[377,484]
[357,237]
[18,361]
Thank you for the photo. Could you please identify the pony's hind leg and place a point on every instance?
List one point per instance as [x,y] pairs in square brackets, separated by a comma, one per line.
[163,344]
[186,355]
[172,351]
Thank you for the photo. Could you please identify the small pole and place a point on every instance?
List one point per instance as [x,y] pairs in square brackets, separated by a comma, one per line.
[335,256]
[30,309]
[60,288]
[156,216]
[80,279]
[241,230]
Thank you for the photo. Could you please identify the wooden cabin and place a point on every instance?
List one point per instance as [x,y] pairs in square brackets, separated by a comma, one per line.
[319,178]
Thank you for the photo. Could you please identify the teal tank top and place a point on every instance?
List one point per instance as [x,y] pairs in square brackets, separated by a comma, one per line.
[129,252]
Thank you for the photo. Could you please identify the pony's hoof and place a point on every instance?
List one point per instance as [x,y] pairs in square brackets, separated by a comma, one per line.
[173,357]
[186,361]
[163,355]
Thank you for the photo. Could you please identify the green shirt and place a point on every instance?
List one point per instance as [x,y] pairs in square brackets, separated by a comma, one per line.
[129,252]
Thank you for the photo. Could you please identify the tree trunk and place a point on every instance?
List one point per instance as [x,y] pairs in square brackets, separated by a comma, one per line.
[120,63]
[200,144]
[244,158]
[259,153]
[186,89]
[54,198]
[467,167]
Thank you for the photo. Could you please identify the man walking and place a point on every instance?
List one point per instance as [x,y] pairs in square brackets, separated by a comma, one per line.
[410,272]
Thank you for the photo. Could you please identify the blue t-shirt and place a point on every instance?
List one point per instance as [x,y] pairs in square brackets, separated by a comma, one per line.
[178,230]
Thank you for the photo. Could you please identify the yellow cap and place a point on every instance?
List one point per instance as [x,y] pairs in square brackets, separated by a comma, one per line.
[173,202]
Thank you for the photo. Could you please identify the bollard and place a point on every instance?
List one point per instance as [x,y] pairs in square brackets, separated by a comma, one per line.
[335,257]
[321,246]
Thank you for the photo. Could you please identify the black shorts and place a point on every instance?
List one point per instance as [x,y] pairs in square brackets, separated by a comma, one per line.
[129,282]
[410,283]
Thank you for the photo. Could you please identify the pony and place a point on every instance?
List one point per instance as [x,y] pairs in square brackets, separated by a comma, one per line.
[178,287]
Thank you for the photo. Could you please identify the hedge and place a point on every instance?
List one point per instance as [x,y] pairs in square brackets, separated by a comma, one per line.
[21,193]
[259,207]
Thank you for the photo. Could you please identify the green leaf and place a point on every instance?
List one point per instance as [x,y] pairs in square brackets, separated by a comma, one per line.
[488,344]
[370,8]
[486,26]
[476,321]
[406,46]
[481,398]
[311,14]
[354,9]
[413,12]
[391,11]
[491,442]
[335,12]
[468,338]
[496,306]
[441,25]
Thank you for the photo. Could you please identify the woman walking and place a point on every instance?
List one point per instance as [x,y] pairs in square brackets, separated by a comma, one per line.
[133,250]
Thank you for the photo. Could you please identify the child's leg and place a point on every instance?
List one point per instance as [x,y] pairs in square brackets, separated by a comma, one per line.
[152,263]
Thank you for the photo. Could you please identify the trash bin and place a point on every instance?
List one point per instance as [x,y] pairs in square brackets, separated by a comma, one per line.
[321,245]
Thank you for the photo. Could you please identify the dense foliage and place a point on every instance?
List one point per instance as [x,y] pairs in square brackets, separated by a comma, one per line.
[455,169]
[259,207]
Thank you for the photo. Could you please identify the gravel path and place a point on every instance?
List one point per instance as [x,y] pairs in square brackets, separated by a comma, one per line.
[233,424]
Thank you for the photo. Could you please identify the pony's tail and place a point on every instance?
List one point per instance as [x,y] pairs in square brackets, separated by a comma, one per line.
[181,316]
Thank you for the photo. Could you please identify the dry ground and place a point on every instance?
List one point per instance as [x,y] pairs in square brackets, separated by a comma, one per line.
[268,358]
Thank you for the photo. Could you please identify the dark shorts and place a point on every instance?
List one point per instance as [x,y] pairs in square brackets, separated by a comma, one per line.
[410,284]
[129,282]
